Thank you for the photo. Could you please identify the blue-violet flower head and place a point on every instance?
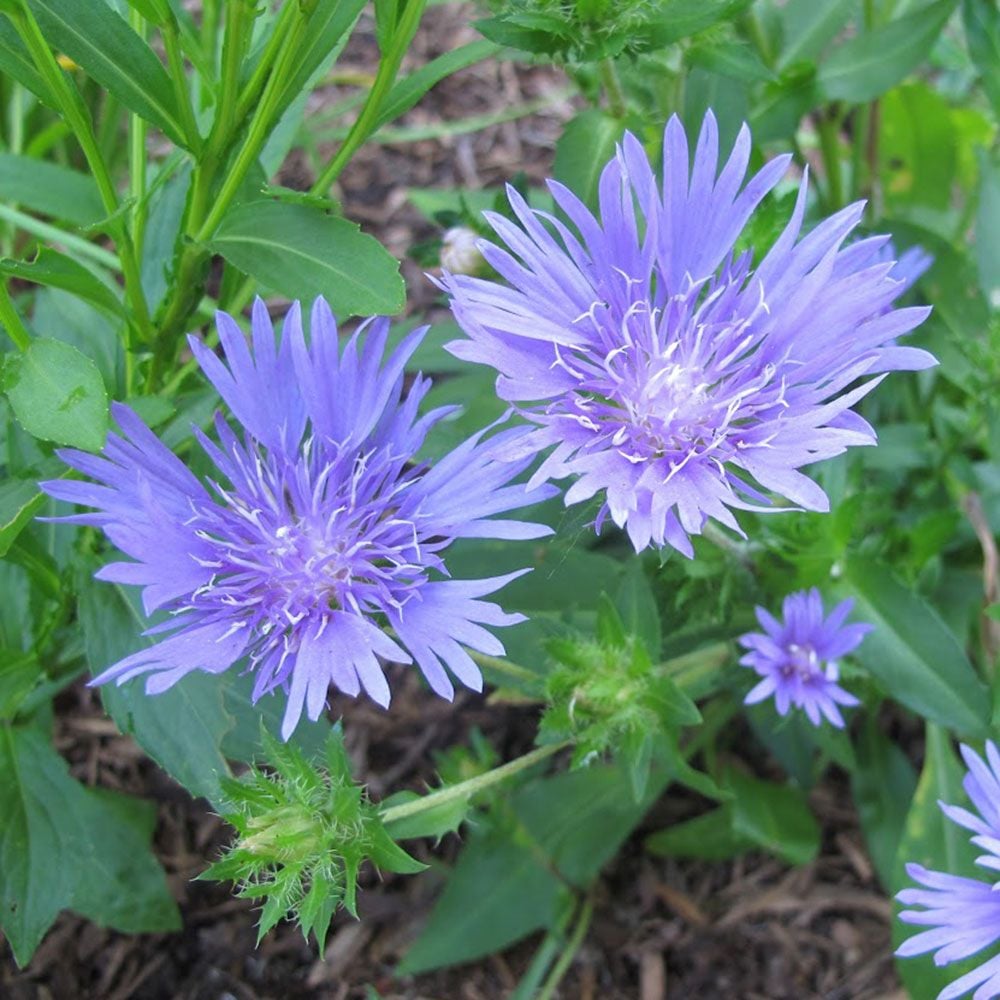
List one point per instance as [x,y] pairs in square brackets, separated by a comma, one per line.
[668,371]
[797,657]
[317,529]
[962,914]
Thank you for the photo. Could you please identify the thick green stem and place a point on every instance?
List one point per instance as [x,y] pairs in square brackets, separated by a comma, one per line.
[137,151]
[11,321]
[612,88]
[466,789]
[74,112]
[364,124]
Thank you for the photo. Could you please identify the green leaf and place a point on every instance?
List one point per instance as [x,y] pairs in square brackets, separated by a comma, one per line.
[498,892]
[16,62]
[20,500]
[33,886]
[883,784]
[868,65]
[917,147]
[325,36]
[775,817]
[59,271]
[121,884]
[679,19]
[586,145]
[637,607]
[982,33]
[63,845]
[987,242]
[19,673]
[710,837]
[162,243]
[434,822]
[182,728]
[931,839]
[57,394]
[808,27]
[101,41]
[730,58]
[912,653]
[406,92]
[300,252]
[51,189]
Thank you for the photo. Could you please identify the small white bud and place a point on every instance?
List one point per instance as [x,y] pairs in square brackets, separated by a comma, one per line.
[459,253]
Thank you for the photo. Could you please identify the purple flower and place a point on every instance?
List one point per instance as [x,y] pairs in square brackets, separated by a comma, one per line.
[907,267]
[317,529]
[962,914]
[797,658]
[673,374]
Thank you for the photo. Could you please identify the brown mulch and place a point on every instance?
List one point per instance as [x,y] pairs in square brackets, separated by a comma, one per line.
[751,928]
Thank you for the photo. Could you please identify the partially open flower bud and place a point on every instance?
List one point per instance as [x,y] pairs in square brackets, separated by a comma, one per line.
[459,253]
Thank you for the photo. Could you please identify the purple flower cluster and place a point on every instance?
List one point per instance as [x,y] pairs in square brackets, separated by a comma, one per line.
[317,529]
[797,657]
[665,368]
[962,914]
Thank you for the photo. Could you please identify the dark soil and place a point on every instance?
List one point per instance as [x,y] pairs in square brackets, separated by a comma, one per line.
[746,929]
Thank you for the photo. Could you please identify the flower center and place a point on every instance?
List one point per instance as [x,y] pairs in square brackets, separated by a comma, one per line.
[801,660]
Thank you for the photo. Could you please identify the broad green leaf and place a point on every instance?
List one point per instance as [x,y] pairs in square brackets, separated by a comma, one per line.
[181,729]
[867,65]
[19,673]
[775,817]
[929,838]
[808,27]
[710,837]
[917,147]
[161,236]
[20,500]
[730,58]
[679,19]
[300,252]
[883,784]
[57,394]
[34,887]
[16,62]
[93,332]
[120,883]
[406,92]
[62,845]
[580,818]
[101,41]
[56,270]
[51,189]
[982,33]
[912,653]
[987,243]
[586,145]
[498,892]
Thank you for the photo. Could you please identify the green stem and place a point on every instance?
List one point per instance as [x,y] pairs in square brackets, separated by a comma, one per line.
[561,967]
[829,141]
[137,151]
[466,789]
[11,321]
[74,112]
[514,670]
[178,77]
[250,94]
[234,46]
[56,235]
[612,88]
[257,133]
[365,123]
